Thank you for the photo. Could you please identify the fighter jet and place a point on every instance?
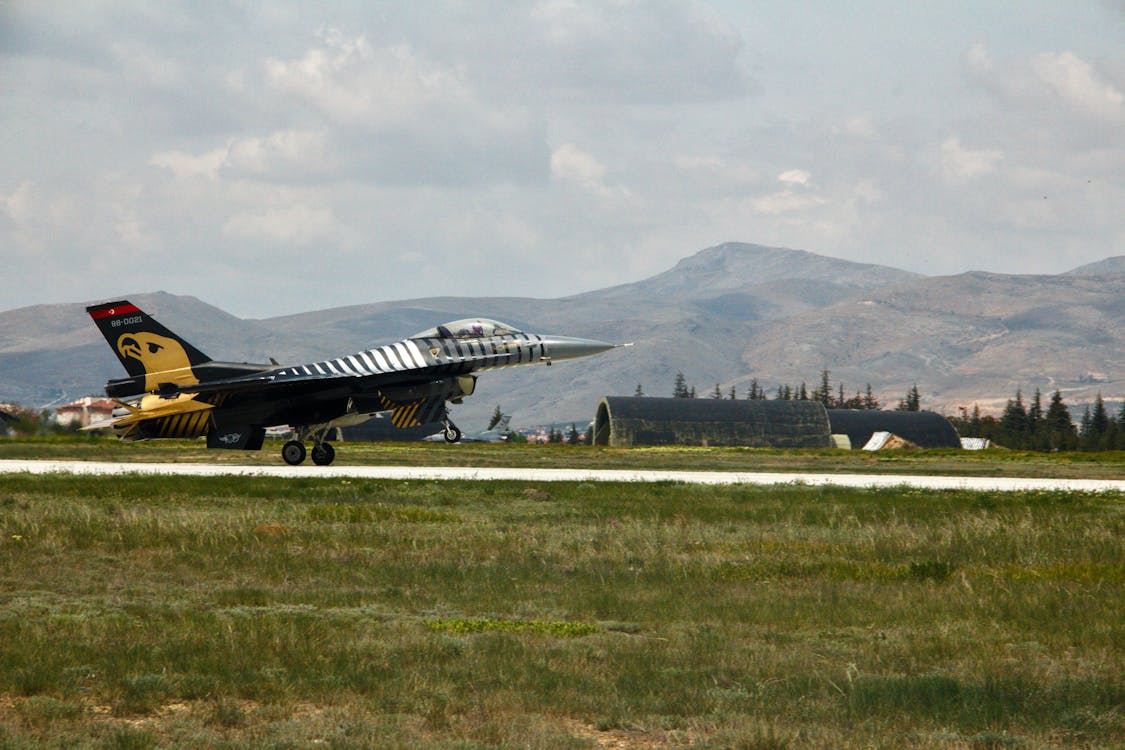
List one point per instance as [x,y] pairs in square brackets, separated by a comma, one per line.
[498,434]
[176,391]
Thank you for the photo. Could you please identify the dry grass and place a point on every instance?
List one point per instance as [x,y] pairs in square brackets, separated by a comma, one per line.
[248,612]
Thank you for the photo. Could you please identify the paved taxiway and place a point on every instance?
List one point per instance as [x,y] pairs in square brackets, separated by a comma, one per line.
[564,475]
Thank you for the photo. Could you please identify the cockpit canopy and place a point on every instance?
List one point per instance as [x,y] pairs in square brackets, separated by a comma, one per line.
[467,328]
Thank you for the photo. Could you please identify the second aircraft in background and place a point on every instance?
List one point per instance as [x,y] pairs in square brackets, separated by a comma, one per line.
[497,434]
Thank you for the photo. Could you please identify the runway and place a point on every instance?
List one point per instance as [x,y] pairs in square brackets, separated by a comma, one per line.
[442,473]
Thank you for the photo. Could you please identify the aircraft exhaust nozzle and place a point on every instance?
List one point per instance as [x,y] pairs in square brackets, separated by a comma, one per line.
[565,347]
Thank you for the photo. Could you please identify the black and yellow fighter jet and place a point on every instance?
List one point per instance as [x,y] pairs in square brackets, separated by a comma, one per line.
[176,391]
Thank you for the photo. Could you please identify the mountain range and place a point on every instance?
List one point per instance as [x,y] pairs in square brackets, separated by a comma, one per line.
[725,315]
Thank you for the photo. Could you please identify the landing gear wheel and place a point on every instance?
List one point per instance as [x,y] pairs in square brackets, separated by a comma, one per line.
[323,454]
[452,434]
[293,452]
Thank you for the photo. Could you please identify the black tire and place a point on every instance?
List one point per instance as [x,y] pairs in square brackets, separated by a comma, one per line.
[323,454]
[293,452]
[452,434]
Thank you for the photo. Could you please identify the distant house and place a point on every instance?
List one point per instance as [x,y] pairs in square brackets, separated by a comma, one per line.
[84,411]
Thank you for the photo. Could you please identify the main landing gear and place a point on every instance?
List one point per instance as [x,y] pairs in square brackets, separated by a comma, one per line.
[293,452]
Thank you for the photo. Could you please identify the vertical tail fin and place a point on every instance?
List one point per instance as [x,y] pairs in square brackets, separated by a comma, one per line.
[143,346]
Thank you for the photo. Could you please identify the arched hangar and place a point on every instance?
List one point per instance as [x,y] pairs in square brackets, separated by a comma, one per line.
[643,420]
[926,429]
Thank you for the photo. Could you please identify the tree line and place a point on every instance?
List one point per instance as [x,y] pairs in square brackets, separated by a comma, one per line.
[1030,426]
[1021,426]
[833,397]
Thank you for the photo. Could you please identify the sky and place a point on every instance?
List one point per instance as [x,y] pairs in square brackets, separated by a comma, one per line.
[281,157]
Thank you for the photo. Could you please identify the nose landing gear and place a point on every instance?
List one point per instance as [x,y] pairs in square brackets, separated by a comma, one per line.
[451,432]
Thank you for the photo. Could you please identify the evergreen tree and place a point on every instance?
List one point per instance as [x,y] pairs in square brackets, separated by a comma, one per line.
[869,400]
[804,393]
[1035,412]
[1119,441]
[1099,420]
[1058,425]
[1036,437]
[823,394]
[717,393]
[691,393]
[1013,423]
[572,436]
[1095,430]
[732,394]
[756,393]
[639,391]
[1085,429]
[496,417]
[974,422]
[680,389]
[1112,438]
[912,402]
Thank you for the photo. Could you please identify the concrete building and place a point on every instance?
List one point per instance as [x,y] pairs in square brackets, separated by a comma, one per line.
[84,411]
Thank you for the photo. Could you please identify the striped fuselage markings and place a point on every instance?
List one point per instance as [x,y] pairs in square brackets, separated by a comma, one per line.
[439,356]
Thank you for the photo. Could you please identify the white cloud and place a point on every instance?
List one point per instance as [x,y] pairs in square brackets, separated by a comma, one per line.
[498,138]
[184,165]
[20,204]
[857,126]
[598,51]
[1076,83]
[795,196]
[794,177]
[390,114]
[287,151]
[1050,84]
[350,82]
[296,224]
[571,164]
[960,164]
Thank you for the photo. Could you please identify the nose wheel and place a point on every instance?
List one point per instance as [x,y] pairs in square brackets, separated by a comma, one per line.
[452,433]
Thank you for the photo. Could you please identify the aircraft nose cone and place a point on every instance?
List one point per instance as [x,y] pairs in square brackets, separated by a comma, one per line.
[566,347]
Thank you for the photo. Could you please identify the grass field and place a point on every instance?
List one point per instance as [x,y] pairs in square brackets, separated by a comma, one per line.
[144,612]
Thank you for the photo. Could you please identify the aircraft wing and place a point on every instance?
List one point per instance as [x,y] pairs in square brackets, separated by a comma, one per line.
[257,381]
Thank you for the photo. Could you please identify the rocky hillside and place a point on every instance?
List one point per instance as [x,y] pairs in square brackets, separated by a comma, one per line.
[724,315]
